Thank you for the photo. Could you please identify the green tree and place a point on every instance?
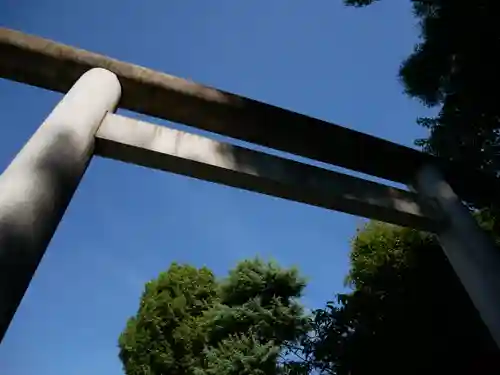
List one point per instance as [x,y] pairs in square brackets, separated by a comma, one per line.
[257,319]
[167,334]
[407,314]
[190,323]
[454,66]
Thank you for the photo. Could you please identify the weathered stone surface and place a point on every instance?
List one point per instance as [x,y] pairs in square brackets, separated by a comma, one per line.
[55,66]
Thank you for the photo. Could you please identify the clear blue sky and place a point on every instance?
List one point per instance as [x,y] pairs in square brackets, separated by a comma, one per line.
[126,223]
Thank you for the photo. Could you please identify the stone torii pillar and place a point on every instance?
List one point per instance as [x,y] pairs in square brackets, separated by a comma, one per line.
[37,186]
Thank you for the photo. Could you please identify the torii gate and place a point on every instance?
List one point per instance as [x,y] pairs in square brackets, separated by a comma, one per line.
[37,186]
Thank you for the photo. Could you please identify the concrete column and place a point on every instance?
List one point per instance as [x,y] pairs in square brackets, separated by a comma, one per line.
[471,252]
[37,186]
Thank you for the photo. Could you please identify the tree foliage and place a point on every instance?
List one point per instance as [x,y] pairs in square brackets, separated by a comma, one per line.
[167,334]
[407,314]
[190,323]
[454,66]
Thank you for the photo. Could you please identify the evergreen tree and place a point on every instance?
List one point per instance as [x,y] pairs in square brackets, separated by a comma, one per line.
[190,323]
[166,336]
[408,313]
[454,67]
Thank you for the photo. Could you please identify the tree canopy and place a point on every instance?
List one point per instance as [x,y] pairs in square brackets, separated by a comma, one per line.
[167,334]
[454,66]
[407,314]
[188,322]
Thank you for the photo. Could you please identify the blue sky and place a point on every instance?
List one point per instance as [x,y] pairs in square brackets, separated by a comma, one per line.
[126,223]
